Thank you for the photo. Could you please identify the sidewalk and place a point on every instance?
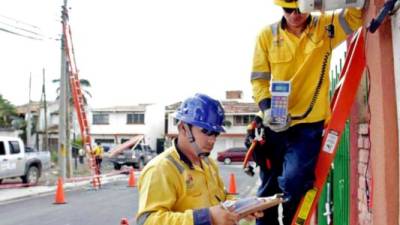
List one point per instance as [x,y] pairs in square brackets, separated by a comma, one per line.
[17,193]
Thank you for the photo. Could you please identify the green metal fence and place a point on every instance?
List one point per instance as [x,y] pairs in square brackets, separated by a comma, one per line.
[334,204]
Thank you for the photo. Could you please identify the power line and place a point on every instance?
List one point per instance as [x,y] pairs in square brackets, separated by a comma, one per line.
[21,35]
[22,29]
[19,21]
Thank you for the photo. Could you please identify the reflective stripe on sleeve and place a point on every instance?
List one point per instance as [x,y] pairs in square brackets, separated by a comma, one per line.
[343,23]
[142,218]
[261,75]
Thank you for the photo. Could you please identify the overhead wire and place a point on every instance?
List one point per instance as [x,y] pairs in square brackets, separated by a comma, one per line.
[19,28]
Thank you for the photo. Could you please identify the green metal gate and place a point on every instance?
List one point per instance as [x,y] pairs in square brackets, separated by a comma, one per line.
[334,203]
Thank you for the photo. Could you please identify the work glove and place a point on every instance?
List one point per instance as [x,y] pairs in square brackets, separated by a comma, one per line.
[267,122]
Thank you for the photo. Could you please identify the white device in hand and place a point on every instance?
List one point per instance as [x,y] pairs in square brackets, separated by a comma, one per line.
[280,91]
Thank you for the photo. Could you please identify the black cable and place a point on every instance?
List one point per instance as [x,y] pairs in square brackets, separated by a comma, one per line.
[331,33]
[317,90]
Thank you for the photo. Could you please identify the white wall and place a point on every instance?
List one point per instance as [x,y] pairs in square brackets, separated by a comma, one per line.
[154,121]
[152,128]
[9,133]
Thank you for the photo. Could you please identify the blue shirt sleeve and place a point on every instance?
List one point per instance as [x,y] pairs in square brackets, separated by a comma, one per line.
[202,216]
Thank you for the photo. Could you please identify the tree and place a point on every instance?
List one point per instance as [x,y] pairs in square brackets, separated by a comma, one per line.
[83,83]
[8,112]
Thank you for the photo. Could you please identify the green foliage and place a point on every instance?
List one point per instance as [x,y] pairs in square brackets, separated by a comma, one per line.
[7,112]
[84,85]
[54,156]
[78,143]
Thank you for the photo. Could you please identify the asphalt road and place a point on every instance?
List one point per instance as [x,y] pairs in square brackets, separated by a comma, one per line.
[103,207]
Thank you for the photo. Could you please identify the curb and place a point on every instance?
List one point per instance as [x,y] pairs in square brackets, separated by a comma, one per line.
[15,194]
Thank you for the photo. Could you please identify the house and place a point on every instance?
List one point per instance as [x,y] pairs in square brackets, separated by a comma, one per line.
[115,125]
[238,114]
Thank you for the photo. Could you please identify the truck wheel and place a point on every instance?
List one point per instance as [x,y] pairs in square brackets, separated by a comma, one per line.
[117,166]
[32,176]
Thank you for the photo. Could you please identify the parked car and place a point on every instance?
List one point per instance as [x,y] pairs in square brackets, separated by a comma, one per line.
[137,156]
[16,160]
[235,154]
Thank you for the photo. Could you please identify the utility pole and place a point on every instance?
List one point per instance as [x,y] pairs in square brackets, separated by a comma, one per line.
[28,114]
[63,141]
[46,134]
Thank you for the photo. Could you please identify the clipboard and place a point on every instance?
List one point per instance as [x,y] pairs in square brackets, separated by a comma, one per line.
[249,205]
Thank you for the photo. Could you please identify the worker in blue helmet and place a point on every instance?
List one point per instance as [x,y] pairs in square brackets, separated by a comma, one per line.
[182,186]
[205,113]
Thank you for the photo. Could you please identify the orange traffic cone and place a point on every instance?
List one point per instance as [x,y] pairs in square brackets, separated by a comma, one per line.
[131,182]
[124,221]
[232,185]
[59,198]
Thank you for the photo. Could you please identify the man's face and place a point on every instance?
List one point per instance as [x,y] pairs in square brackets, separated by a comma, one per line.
[294,17]
[205,139]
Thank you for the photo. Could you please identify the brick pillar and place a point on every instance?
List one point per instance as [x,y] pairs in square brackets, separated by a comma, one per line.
[364,176]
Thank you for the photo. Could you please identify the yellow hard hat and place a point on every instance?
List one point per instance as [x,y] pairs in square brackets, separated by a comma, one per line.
[287,3]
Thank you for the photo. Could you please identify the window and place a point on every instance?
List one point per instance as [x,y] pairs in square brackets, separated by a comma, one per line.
[135,118]
[101,119]
[29,149]
[14,147]
[242,120]
[2,148]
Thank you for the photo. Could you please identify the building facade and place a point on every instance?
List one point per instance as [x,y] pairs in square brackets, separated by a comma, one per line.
[115,125]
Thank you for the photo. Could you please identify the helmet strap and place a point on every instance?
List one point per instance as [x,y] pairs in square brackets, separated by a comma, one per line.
[200,153]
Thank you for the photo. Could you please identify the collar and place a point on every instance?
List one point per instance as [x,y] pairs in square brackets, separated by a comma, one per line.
[182,156]
[284,23]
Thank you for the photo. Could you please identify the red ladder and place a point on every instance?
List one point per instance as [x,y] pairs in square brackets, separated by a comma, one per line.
[78,98]
[341,106]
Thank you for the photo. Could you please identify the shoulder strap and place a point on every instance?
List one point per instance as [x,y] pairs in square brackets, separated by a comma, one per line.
[178,166]
[275,29]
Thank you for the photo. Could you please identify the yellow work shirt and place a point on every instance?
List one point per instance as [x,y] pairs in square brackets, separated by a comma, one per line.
[282,56]
[170,189]
[98,151]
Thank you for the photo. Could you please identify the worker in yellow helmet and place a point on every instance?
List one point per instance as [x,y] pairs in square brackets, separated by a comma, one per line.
[182,186]
[98,155]
[292,59]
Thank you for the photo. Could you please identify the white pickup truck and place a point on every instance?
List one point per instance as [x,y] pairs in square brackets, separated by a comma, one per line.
[16,160]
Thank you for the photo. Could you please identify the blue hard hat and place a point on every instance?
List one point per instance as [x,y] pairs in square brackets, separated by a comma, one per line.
[202,111]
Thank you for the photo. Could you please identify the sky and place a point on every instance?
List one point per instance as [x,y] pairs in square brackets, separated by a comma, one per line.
[133,51]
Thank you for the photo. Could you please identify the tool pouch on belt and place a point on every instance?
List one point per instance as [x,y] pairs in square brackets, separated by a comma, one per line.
[260,154]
